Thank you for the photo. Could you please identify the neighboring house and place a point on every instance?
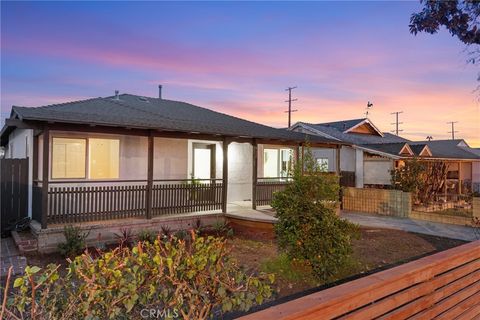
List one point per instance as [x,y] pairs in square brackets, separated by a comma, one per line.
[373,153]
[130,156]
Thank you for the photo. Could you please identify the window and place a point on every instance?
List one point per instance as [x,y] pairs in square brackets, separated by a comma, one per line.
[276,162]
[68,158]
[323,164]
[104,155]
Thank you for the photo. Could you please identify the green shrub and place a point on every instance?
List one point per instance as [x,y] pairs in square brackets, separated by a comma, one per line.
[74,241]
[308,227]
[195,279]
[147,236]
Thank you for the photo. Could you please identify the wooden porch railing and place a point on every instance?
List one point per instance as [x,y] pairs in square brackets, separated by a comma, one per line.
[125,199]
[266,187]
[182,196]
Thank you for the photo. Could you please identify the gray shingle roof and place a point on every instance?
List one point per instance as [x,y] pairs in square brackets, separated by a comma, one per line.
[153,113]
[390,148]
[448,149]
[354,138]
[392,144]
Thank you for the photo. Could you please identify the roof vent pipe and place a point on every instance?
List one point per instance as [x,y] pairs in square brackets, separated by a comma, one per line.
[116,95]
[159,91]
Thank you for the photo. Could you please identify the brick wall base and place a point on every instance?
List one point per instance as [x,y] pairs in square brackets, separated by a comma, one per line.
[104,232]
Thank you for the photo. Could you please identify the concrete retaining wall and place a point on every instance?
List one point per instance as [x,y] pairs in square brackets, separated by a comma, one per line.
[380,201]
[442,218]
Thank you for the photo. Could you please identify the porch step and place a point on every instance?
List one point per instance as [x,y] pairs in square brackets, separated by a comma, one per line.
[25,241]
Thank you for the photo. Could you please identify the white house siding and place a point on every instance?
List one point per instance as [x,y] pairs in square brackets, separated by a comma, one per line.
[377,171]
[347,159]
[20,147]
[359,181]
[476,172]
[466,171]
[240,171]
[170,159]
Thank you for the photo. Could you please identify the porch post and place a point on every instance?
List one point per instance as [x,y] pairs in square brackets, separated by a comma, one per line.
[225,144]
[148,198]
[254,173]
[459,177]
[337,158]
[297,153]
[45,174]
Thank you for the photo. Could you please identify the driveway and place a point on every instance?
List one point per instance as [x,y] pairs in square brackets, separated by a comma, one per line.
[418,226]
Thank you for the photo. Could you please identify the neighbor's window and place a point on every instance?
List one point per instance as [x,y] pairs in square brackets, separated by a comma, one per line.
[68,158]
[323,164]
[104,156]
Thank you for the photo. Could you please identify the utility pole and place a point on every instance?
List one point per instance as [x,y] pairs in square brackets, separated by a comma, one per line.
[290,100]
[396,123]
[453,128]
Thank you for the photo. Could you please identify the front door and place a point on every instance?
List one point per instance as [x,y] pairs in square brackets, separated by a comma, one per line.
[204,159]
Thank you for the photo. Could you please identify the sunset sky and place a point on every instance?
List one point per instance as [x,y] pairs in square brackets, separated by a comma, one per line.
[238,58]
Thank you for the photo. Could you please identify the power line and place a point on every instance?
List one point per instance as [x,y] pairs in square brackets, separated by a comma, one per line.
[453,128]
[396,123]
[290,100]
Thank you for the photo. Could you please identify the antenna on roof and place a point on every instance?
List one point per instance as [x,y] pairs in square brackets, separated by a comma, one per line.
[116,95]
[159,91]
[396,123]
[429,138]
[369,106]
[453,128]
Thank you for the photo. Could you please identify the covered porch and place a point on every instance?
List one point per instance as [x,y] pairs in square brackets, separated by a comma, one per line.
[97,175]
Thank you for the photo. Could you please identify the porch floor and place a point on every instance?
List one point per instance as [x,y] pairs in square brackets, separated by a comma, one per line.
[243,210]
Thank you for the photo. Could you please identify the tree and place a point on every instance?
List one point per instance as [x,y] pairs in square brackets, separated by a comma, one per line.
[308,228]
[459,17]
[425,180]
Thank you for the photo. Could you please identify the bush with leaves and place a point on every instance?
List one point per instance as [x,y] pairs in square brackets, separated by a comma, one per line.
[197,279]
[308,227]
[147,235]
[74,241]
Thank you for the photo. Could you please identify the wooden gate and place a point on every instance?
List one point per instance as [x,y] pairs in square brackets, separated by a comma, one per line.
[13,190]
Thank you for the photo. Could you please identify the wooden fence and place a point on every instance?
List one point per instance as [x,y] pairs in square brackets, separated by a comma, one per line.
[266,187]
[13,191]
[69,204]
[445,285]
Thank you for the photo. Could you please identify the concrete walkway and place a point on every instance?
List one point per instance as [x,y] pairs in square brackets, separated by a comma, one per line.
[410,225]
[11,257]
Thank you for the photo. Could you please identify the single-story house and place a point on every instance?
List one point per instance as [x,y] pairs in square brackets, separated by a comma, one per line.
[373,153]
[129,156]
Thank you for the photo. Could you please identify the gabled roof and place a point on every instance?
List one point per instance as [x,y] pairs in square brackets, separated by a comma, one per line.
[336,130]
[398,149]
[448,149]
[134,111]
[421,150]
[349,126]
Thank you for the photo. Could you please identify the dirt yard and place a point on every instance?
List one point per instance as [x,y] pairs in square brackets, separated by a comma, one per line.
[374,249]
